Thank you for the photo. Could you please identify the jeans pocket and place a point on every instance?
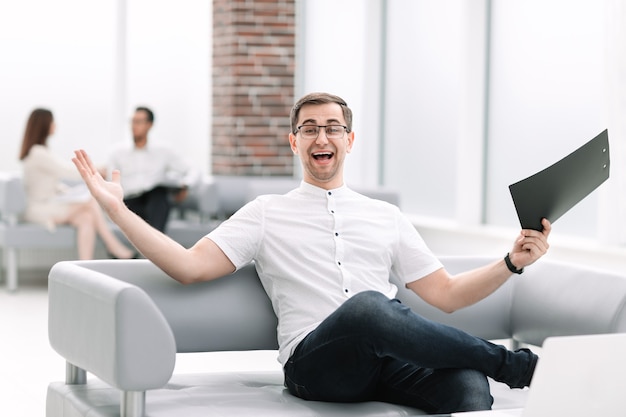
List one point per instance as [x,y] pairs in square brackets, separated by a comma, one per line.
[297,390]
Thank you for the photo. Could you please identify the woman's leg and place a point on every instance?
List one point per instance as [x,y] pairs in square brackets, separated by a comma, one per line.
[111,242]
[89,222]
[79,216]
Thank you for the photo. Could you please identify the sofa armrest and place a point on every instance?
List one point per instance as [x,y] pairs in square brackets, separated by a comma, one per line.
[109,328]
[558,299]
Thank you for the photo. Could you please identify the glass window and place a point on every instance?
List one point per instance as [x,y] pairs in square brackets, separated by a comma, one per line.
[547,97]
[422,95]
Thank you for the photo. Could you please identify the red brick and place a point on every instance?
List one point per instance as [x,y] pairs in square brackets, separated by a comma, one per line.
[253,86]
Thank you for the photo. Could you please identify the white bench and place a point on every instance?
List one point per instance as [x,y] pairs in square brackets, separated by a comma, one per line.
[16,235]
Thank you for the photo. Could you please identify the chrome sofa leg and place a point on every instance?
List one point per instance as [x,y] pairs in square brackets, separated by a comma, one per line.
[74,375]
[515,344]
[11,265]
[133,404]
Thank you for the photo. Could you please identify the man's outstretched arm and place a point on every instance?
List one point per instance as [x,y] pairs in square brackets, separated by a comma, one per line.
[202,262]
[450,293]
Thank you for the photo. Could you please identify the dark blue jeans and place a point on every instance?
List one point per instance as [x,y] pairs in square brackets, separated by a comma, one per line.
[373,348]
[153,206]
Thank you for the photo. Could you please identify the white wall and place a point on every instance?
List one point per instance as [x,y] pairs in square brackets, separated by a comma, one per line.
[64,55]
[76,58]
[424,98]
[339,48]
[547,97]
[169,70]
[58,55]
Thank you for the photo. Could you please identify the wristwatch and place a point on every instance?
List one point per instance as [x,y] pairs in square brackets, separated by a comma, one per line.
[512,267]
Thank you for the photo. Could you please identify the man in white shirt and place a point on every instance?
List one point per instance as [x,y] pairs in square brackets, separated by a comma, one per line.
[152,173]
[324,254]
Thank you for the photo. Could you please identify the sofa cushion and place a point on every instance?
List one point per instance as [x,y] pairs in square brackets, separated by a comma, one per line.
[259,393]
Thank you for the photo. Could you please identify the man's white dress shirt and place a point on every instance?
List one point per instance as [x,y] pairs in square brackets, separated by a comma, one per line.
[315,248]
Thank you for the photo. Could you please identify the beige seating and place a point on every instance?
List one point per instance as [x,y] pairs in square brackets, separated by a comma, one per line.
[125,321]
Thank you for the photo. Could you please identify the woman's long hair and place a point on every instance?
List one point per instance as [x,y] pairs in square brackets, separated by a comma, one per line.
[37,130]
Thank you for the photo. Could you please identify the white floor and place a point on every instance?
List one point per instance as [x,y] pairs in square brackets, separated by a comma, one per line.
[28,363]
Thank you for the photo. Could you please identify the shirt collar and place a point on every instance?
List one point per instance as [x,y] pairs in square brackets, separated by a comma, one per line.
[307,188]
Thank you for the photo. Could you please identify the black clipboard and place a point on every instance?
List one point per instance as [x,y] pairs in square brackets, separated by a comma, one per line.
[552,192]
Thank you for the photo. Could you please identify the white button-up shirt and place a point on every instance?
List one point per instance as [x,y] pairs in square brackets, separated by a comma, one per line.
[315,248]
[153,165]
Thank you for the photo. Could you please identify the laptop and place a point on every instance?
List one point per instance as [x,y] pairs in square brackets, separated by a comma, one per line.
[576,376]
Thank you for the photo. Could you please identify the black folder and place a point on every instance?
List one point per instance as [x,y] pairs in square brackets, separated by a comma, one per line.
[552,192]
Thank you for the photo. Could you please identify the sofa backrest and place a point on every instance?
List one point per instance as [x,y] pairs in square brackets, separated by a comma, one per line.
[231,313]
[12,196]
[234,313]
[561,299]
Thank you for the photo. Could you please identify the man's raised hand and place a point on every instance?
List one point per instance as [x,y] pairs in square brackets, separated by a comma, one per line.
[109,194]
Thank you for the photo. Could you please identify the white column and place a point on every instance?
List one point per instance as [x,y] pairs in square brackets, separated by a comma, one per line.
[472,130]
[612,199]
[119,126]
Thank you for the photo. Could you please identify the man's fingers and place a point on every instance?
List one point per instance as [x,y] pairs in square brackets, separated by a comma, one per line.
[86,161]
[535,245]
[115,176]
[79,159]
[547,227]
[83,163]
[80,166]
[91,165]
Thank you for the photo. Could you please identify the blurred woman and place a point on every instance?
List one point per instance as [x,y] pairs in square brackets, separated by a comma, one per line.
[50,201]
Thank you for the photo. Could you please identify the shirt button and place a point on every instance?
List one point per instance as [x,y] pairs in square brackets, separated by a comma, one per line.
[336,234]
[339,263]
[346,290]
[330,193]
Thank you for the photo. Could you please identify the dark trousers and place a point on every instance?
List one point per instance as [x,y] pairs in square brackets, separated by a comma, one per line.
[373,348]
[153,206]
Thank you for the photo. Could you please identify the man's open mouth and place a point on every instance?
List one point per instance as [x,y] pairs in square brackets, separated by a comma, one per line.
[322,155]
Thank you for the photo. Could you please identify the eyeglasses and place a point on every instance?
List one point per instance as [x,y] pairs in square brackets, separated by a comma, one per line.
[311,132]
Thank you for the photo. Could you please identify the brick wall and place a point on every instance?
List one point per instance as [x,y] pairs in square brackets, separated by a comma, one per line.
[253,86]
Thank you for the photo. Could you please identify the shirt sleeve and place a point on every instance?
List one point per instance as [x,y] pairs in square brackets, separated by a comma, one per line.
[413,260]
[240,237]
[189,175]
[113,161]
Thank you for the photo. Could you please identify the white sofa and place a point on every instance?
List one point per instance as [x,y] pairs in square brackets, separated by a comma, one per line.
[125,321]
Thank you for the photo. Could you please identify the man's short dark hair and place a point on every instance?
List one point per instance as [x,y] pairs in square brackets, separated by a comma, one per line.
[148,113]
[320,98]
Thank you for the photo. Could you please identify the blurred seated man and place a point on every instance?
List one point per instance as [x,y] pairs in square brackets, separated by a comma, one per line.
[151,173]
